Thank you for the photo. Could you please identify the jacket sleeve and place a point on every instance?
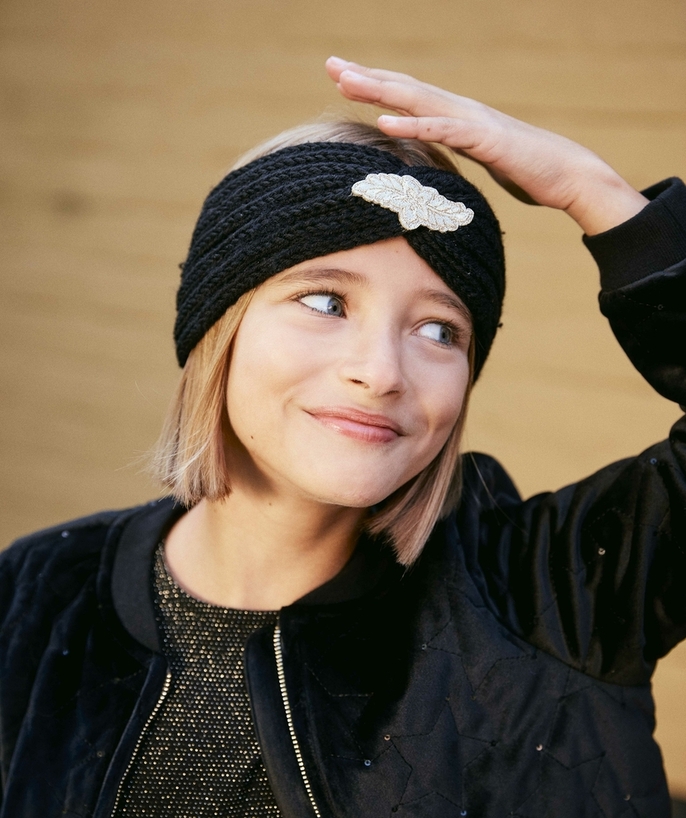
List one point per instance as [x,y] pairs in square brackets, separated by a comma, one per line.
[596,572]
[643,277]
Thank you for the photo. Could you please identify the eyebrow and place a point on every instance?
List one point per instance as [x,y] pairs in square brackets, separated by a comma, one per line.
[318,275]
[448,300]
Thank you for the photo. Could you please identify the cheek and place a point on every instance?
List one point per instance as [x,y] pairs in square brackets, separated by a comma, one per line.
[442,397]
[267,365]
[439,396]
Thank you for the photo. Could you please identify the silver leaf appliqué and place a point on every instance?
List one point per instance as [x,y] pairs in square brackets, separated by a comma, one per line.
[416,204]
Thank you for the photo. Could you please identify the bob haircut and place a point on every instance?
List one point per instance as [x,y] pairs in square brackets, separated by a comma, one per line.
[189,457]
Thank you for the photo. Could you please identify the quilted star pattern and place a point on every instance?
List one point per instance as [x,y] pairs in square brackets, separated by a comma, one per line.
[476,704]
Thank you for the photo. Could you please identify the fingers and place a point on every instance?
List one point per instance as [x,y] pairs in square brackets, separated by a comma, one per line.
[404,96]
[385,93]
[460,134]
[399,92]
[429,113]
[335,65]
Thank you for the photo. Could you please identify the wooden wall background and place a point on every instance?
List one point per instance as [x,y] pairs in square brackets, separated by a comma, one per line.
[118,117]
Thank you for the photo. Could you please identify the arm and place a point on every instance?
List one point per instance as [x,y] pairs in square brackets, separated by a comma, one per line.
[643,280]
[536,166]
[593,573]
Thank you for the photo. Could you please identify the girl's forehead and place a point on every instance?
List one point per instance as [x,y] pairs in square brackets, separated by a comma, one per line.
[391,260]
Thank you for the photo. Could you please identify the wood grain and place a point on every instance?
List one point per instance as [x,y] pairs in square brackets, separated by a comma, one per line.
[118,117]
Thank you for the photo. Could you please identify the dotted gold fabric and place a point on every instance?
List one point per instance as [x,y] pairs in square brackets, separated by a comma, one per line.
[200,757]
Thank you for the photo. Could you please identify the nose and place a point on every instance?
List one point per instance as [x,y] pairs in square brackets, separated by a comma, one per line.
[373,362]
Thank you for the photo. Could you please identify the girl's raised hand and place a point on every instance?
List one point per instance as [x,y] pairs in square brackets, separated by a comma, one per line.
[535,165]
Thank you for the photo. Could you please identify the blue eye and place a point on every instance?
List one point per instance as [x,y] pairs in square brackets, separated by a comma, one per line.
[441,333]
[323,302]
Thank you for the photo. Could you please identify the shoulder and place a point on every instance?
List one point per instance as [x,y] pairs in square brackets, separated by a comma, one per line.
[488,498]
[486,483]
[71,540]
[56,562]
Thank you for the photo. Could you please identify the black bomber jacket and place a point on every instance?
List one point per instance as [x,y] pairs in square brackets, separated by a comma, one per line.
[506,674]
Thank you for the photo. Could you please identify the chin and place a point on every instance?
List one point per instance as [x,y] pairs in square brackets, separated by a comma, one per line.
[355,493]
[353,483]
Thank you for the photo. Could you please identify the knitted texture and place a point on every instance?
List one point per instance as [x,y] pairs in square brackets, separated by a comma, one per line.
[296,204]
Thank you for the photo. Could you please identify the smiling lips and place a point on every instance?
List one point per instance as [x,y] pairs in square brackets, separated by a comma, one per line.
[364,426]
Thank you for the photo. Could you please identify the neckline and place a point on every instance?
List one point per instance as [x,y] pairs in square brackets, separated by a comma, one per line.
[195,600]
[136,538]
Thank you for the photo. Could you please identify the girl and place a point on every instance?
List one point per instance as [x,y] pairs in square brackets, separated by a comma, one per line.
[334,613]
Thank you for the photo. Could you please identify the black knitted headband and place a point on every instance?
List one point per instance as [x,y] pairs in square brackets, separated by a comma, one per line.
[310,200]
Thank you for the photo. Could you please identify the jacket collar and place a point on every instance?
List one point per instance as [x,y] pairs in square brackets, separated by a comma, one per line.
[132,593]
[132,584]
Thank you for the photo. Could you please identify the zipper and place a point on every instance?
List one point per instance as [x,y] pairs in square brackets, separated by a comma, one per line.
[278,652]
[148,722]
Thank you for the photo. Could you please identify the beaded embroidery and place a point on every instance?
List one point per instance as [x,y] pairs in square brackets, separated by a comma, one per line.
[416,204]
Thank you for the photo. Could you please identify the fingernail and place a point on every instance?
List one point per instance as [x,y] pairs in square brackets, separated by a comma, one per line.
[337,60]
[385,119]
[352,73]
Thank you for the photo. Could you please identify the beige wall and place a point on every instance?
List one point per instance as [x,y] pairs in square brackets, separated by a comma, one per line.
[117,118]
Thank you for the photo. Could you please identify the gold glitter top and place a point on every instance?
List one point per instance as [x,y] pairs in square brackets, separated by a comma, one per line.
[199,757]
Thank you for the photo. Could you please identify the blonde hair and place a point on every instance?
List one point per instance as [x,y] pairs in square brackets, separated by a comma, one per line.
[189,457]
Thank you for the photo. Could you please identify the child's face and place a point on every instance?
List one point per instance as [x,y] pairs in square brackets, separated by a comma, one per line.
[347,375]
